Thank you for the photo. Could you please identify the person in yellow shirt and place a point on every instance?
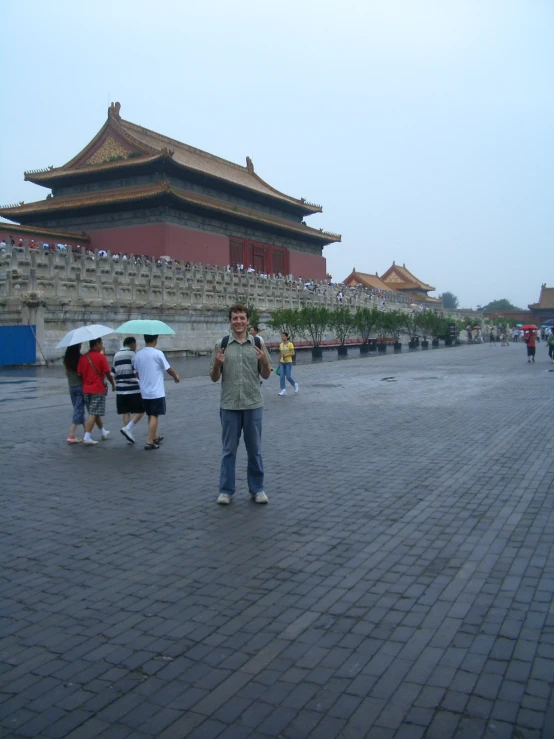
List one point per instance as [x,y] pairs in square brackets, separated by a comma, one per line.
[286,350]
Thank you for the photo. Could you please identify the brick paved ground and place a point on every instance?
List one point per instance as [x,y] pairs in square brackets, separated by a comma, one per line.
[398,585]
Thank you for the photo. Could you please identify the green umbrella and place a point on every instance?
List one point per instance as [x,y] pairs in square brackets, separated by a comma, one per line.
[144,326]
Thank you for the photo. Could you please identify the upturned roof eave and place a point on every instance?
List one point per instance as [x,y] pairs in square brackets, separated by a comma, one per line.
[63,204]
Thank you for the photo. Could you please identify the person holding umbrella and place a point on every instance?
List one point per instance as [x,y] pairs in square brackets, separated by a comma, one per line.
[72,342]
[529,338]
[95,370]
[150,365]
[70,361]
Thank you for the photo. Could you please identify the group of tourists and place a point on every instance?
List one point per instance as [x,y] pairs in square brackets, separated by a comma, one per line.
[137,378]
[239,360]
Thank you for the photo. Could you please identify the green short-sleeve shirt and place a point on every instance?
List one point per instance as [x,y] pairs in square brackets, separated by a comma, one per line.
[240,375]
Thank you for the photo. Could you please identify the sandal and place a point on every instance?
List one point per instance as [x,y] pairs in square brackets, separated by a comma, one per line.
[158,439]
[148,447]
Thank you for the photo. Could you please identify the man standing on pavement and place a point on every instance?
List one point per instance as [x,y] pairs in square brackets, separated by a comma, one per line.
[127,388]
[150,365]
[240,359]
[94,370]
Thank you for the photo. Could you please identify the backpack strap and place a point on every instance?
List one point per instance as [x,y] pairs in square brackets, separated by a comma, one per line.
[225,341]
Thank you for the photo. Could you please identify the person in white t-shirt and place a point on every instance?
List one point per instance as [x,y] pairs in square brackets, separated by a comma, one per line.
[150,365]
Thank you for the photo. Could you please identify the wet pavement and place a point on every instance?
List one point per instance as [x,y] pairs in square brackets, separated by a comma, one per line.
[399,584]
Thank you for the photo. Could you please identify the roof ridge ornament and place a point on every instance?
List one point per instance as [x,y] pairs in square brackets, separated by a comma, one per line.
[249,165]
[113,110]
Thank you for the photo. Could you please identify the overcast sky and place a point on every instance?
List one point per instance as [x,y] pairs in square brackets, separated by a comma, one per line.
[423,127]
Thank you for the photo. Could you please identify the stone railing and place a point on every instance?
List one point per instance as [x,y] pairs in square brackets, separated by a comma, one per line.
[78,279]
[57,291]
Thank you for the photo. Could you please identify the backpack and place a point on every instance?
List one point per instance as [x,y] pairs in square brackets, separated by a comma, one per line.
[551,340]
[225,341]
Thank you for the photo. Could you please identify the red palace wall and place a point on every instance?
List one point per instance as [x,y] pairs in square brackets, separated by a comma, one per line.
[307,265]
[170,240]
[164,239]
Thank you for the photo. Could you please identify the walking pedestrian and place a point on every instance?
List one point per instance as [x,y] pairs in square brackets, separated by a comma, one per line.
[150,365]
[550,344]
[492,336]
[531,346]
[95,370]
[286,353]
[70,363]
[239,359]
[127,389]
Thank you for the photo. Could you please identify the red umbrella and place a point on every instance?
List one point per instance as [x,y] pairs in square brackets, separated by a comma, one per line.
[529,327]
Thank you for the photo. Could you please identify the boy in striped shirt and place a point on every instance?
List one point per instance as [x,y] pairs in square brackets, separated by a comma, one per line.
[127,388]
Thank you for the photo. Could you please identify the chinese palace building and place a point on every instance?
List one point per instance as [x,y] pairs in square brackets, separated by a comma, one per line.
[133,190]
[544,309]
[396,278]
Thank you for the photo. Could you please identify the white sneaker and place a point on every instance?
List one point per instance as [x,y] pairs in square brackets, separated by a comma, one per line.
[89,442]
[295,387]
[260,498]
[105,435]
[223,499]
[127,434]
[283,392]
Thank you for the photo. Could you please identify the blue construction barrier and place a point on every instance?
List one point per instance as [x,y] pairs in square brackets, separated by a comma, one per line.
[17,345]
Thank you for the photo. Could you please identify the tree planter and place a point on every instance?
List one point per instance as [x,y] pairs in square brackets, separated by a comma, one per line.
[317,352]
[435,343]
[382,348]
[364,348]
[412,345]
[397,347]
[343,351]
[448,342]
[425,344]
[373,345]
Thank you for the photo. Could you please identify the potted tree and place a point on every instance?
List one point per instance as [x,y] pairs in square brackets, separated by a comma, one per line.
[365,321]
[383,328]
[396,321]
[314,321]
[425,323]
[341,322]
[411,327]
[436,330]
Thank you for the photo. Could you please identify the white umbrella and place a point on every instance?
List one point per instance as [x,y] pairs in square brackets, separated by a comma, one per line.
[84,333]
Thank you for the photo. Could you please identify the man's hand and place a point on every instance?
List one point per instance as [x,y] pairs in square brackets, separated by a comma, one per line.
[263,363]
[262,357]
[171,372]
[219,358]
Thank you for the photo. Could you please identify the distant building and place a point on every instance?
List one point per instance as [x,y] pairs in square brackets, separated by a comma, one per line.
[544,309]
[398,279]
[361,278]
[136,191]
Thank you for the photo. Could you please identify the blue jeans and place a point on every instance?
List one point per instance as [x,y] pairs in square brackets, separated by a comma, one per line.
[233,423]
[78,400]
[286,374]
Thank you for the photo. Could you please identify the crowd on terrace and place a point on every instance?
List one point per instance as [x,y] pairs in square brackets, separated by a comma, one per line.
[341,292]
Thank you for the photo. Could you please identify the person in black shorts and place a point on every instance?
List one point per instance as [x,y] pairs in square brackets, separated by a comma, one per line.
[127,388]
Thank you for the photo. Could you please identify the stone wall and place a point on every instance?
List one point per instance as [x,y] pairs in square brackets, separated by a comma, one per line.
[60,291]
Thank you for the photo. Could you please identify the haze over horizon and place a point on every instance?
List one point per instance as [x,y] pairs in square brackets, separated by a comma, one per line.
[423,128]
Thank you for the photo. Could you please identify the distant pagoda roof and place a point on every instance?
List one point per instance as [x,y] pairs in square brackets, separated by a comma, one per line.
[121,145]
[400,278]
[546,299]
[367,280]
[161,191]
